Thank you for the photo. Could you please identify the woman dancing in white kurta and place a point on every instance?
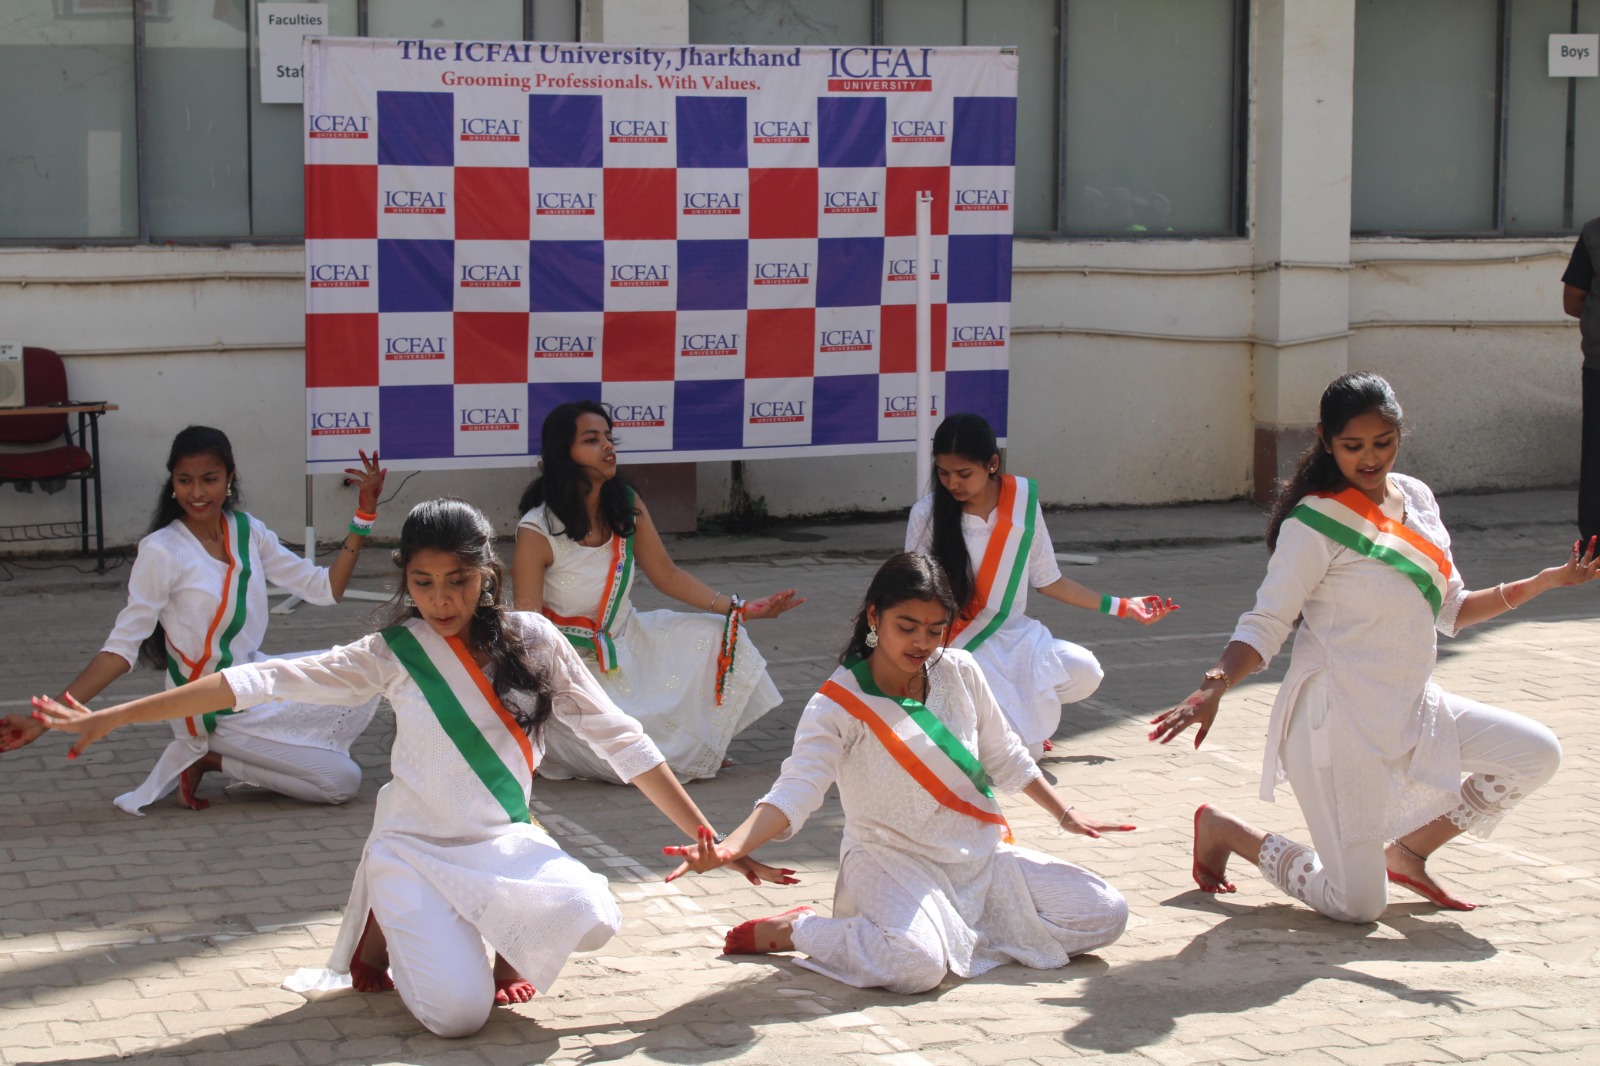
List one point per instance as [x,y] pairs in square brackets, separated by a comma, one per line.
[694,681]
[926,885]
[987,531]
[455,857]
[1374,749]
[197,602]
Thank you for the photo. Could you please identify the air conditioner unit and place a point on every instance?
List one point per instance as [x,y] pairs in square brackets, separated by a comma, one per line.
[10,374]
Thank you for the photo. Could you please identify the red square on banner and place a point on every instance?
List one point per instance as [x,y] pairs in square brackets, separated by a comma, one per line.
[900,193]
[782,343]
[341,203]
[783,202]
[341,351]
[491,203]
[899,351]
[491,348]
[638,345]
[641,204]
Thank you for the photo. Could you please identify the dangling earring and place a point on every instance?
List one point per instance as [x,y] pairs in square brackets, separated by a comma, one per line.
[174,495]
[872,637]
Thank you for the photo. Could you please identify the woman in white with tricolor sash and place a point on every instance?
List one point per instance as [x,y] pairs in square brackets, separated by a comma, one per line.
[929,883]
[197,603]
[693,680]
[987,530]
[1374,749]
[455,858]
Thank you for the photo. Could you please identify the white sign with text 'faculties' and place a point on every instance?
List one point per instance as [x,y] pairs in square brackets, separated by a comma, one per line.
[1574,55]
[280,29]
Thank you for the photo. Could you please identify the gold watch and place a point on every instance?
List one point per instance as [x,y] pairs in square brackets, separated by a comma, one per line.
[1216,673]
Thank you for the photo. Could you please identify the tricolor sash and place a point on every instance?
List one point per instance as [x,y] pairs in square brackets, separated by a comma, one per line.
[920,743]
[1351,519]
[494,746]
[587,634]
[1004,566]
[217,654]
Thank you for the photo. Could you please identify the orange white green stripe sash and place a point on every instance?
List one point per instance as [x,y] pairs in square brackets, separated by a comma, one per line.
[1004,566]
[495,748]
[920,743]
[586,633]
[1350,518]
[218,651]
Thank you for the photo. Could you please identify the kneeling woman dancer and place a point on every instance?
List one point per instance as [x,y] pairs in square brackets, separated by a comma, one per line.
[1374,748]
[455,858]
[926,885]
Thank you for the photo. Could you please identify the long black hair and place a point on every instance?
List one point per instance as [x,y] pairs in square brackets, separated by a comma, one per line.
[193,441]
[907,576]
[561,484]
[1349,396]
[971,437]
[460,529]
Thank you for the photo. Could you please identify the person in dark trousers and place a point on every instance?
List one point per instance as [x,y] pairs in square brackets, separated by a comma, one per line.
[1581,300]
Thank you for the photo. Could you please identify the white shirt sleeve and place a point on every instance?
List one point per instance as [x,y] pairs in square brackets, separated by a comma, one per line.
[583,705]
[345,676]
[1421,496]
[149,587]
[1042,566]
[282,567]
[1294,570]
[1004,757]
[813,766]
[919,527]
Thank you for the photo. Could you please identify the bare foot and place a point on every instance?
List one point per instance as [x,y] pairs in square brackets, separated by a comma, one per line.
[189,781]
[1408,870]
[369,967]
[509,985]
[726,763]
[19,730]
[1211,855]
[760,936]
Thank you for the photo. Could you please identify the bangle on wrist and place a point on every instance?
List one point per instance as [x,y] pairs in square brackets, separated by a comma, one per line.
[1114,605]
[715,596]
[361,524]
[1501,588]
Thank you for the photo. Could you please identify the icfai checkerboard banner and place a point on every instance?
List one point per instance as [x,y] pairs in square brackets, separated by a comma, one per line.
[718,243]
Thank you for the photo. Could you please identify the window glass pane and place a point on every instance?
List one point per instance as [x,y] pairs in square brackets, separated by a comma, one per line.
[1586,149]
[786,22]
[1150,114]
[1423,152]
[68,154]
[923,22]
[555,20]
[444,20]
[1031,26]
[197,81]
[277,141]
[1536,120]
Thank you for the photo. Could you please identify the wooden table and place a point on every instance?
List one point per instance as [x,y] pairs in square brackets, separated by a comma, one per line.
[88,413]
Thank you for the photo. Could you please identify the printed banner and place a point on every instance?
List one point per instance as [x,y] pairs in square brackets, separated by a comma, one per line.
[718,243]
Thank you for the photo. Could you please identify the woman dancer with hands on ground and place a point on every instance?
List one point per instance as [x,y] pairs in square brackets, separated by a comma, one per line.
[913,737]
[455,857]
[197,602]
[693,681]
[1374,748]
[987,530]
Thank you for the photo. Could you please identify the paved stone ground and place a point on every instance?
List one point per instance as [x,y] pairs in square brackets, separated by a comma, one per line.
[164,939]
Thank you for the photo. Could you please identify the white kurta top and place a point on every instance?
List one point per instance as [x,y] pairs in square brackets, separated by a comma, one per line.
[956,864]
[435,815]
[1019,659]
[176,582]
[1366,631]
[667,669]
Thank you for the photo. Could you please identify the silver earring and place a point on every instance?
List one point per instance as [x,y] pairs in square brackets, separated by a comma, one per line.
[872,637]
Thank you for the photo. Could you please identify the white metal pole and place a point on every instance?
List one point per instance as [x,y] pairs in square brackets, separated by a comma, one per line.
[924,344]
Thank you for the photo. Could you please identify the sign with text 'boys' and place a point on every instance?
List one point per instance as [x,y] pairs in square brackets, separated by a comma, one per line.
[717,243]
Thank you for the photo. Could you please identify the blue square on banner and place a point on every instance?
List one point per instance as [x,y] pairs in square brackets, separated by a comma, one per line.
[711,131]
[416,275]
[711,275]
[565,131]
[566,276]
[422,417]
[849,271]
[846,409]
[708,414]
[980,268]
[985,133]
[852,132]
[544,397]
[982,392]
[414,129]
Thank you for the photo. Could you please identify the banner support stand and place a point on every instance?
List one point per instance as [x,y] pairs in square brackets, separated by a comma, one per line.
[924,464]
[288,605]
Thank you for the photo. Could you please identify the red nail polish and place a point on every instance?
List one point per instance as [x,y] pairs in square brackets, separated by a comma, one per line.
[72,755]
